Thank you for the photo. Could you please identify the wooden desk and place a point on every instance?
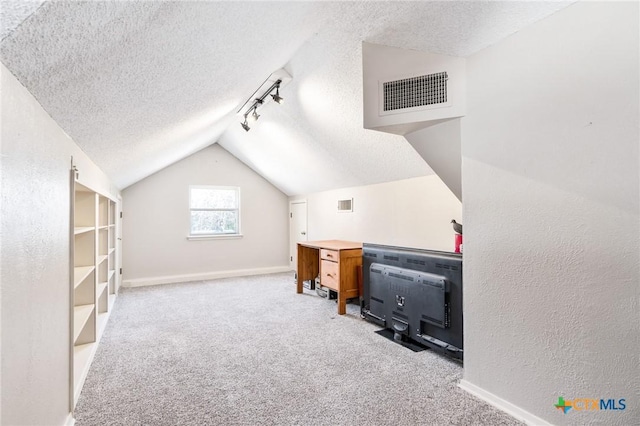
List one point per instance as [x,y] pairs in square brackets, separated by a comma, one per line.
[337,264]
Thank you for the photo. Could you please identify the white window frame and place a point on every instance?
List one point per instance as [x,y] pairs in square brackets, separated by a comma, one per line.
[214,235]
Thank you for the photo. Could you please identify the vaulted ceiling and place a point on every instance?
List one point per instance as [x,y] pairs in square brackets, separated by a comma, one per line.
[141,85]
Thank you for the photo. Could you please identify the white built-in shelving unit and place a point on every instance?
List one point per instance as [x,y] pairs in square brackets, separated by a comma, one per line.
[94,283]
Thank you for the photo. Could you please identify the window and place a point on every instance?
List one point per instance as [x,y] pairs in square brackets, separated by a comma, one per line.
[214,210]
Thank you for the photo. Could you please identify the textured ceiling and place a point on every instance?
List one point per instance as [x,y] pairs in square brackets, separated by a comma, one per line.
[14,12]
[140,85]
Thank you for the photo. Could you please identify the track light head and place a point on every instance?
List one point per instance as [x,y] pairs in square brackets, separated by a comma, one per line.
[277,97]
[245,125]
[254,115]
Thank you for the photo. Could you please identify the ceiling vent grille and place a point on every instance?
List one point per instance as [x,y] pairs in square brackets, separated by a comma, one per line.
[415,93]
[345,205]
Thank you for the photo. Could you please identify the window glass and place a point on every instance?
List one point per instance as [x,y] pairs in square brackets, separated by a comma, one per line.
[214,198]
[214,210]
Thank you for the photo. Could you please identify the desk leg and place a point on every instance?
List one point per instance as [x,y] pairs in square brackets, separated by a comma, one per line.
[299,283]
[307,265]
[300,268]
[342,303]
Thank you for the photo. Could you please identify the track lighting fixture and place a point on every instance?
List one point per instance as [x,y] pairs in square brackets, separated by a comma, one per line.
[277,97]
[251,113]
[254,115]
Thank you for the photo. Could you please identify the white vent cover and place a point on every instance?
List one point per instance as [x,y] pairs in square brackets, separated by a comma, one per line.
[345,205]
[415,93]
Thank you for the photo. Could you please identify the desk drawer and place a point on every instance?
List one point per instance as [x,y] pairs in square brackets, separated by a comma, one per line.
[332,255]
[330,274]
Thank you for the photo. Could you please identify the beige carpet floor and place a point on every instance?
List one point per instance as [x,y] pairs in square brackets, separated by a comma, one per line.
[250,351]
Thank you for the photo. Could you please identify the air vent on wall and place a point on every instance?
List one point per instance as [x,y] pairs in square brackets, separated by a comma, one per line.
[409,94]
[345,206]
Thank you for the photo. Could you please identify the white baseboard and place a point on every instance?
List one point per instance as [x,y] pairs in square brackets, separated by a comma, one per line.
[501,404]
[70,421]
[140,282]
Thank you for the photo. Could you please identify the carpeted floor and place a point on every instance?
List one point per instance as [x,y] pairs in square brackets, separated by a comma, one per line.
[250,351]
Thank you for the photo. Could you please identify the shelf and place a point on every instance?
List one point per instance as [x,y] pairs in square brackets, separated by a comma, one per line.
[82,355]
[112,299]
[80,273]
[94,243]
[81,315]
[81,188]
[103,317]
[102,298]
[100,288]
[82,229]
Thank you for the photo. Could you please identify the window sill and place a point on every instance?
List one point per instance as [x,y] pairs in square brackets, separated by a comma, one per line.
[215,237]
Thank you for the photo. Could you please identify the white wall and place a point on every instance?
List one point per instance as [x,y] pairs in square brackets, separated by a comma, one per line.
[409,213]
[551,214]
[439,145]
[156,223]
[36,156]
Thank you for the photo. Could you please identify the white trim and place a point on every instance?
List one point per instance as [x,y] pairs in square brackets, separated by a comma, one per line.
[70,421]
[501,404]
[306,213]
[140,282]
[215,237]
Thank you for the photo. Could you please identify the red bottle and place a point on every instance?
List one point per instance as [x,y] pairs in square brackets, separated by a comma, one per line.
[458,243]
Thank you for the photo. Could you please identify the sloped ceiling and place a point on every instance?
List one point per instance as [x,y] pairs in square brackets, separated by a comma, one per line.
[141,85]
